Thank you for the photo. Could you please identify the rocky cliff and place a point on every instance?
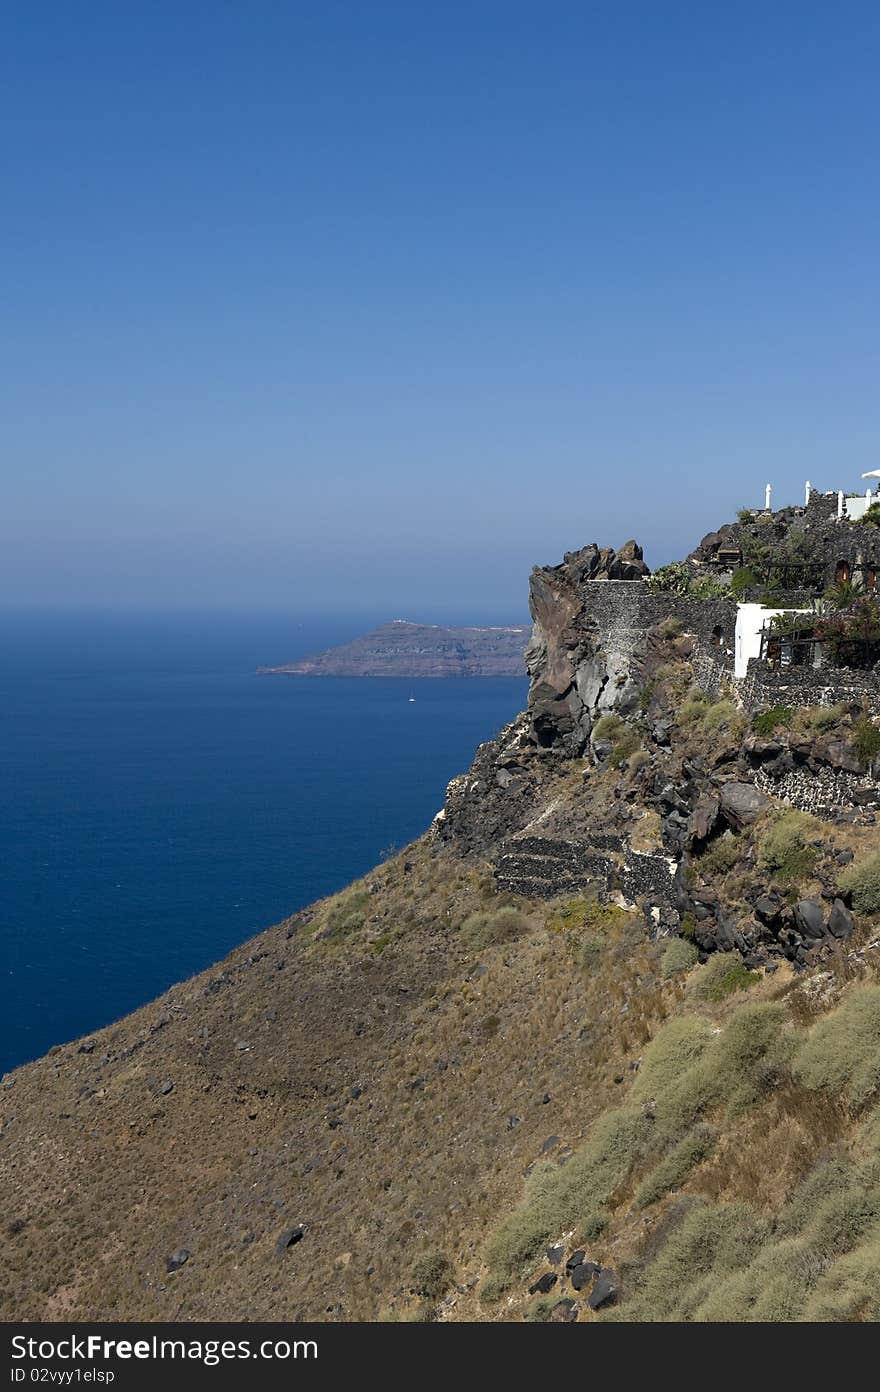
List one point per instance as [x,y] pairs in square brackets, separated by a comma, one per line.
[603,1044]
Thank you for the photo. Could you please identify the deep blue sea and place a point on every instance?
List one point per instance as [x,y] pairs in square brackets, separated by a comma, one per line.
[160,802]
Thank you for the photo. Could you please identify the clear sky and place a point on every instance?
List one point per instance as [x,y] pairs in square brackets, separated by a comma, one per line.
[374,304]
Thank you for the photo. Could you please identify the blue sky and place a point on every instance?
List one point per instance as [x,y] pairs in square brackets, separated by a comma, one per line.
[372,306]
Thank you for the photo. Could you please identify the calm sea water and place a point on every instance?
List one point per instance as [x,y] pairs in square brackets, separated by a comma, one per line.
[160,802]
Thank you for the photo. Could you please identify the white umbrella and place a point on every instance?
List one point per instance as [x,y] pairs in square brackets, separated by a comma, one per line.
[872,473]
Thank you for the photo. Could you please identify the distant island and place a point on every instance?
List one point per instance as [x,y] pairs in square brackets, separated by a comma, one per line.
[402,649]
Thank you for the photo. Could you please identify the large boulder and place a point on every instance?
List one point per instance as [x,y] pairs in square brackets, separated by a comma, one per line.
[704,816]
[809,918]
[741,803]
[628,563]
[840,920]
[768,907]
[604,1292]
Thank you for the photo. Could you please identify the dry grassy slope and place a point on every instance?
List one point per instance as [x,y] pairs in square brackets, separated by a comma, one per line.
[103,1176]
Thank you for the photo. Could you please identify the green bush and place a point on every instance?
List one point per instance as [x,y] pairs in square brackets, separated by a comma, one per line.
[842,1051]
[723,974]
[680,956]
[866,738]
[820,718]
[849,1289]
[674,1167]
[587,912]
[719,856]
[709,587]
[674,578]
[624,747]
[783,848]
[767,721]
[678,1045]
[743,579]
[686,1071]
[343,915]
[705,1247]
[482,930]
[557,1199]
[432,1275]
[695,707]
[862,881]
[608,726]
[720,713]
[698,709]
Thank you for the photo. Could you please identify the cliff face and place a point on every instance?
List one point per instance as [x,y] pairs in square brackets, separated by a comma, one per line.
[634,767]
[602,1044]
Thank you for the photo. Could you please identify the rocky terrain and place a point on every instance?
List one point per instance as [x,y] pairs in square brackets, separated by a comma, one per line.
[401,649]
[604,1044]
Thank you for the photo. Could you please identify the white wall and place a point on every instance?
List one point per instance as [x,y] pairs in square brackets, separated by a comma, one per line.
[857,507]
[750,620]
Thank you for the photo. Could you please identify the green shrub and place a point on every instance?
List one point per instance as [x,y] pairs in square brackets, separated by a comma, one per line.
[492,1289]
[705,1246]
[783,849]
[688,928]
[709,587]
[820,718]
[723,974]
[343,915]
[862,880]
[670,628]
[686,1071]
[538,1310]
[767,721]
[676,1046]
[588,934]
[680,956]
[673,1168]
[557,1199]
[719,856]
[849,1289]
[743,579]
[674,578]
[608,727]
[483,929]
[586,950]
[720,713]
[587,912]
[710,714]
[746,516]
[866,738]
[627,745]
[842,1051]
[433,1274]
[695,707]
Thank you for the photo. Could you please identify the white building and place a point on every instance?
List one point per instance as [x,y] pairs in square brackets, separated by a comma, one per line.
[750,622]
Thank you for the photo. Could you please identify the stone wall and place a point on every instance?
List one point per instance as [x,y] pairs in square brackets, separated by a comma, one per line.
[589,647]
[765,686]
